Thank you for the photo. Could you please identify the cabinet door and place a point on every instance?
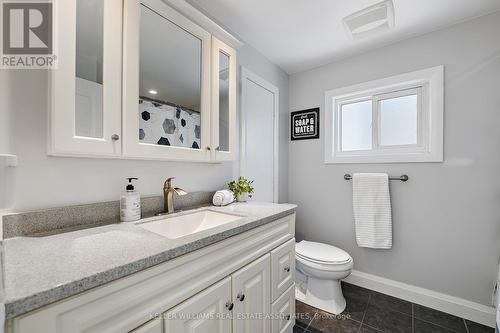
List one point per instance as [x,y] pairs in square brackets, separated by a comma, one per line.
[154,326]
[251,294]
[166,88]
[223,101]
[283,312]
[205,312]
[86,87]
[282,268]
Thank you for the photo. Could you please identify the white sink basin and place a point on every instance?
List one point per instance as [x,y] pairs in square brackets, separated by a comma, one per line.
[188,224]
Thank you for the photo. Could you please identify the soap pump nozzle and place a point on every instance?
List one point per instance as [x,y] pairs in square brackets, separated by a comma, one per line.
[130,186]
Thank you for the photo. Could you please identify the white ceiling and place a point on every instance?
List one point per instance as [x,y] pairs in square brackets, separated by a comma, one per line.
[298,35]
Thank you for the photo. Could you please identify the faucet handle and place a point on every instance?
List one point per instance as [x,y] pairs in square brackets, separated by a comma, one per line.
[168,182]
[179,191]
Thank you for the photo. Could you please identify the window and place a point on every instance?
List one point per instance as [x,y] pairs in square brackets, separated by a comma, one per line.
[396,119]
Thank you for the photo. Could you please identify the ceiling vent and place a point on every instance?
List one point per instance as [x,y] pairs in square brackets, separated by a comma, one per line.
[370,20]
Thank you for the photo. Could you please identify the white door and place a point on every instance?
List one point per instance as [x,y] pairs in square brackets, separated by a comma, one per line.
[205,312]
[259,144]
[251,295]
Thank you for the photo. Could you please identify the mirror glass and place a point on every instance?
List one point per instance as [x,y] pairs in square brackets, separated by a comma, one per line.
[170,83]
[89,60]
[223,101]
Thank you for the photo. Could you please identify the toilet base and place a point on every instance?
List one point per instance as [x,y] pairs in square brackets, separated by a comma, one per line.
[325,295]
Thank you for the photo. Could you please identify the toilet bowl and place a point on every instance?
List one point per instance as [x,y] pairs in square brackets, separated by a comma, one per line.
[325,266]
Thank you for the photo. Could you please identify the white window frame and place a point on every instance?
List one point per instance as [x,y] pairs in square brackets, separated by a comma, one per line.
[427,84]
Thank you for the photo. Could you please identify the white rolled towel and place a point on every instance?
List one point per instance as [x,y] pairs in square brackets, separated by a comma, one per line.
[223,198]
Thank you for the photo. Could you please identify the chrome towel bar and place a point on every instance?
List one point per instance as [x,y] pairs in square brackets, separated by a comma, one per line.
[402,178]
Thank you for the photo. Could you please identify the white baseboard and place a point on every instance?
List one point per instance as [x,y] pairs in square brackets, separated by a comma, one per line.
[453,305]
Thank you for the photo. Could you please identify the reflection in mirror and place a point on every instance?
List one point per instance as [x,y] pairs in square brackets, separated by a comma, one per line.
[89,61]
[170,83]
[223,101]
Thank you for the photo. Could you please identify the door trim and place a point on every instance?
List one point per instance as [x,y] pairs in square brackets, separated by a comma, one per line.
[247,75]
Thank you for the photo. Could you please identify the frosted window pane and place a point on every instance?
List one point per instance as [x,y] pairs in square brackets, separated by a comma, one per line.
[398,121]
[356,126]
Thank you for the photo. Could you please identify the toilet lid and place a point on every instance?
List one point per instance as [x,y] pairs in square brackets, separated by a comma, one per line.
[321,252]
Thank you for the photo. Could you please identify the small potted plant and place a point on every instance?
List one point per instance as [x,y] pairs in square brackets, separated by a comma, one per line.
[242,188]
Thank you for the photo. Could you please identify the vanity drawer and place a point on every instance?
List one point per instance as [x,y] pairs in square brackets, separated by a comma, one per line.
[284,311]
[153,326]
[282,268]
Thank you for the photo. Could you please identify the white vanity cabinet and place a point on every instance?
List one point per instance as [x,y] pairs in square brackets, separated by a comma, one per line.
[282,268]
[227,306]
[167,93]
[284,309]
[228,286]
[153,326]
[251,292]
[206,312]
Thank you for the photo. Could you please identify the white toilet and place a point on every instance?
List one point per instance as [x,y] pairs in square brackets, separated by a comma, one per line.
[324,265]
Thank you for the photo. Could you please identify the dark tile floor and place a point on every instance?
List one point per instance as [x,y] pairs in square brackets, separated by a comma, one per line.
[368,311]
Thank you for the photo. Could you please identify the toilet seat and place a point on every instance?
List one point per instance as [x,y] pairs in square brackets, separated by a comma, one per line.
[324,266]
[320,253]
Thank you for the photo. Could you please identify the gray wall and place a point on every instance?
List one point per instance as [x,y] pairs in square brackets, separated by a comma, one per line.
[5,93]
[42,181]
[447,217]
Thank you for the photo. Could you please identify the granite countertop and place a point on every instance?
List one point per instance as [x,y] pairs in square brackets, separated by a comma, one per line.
[43,270]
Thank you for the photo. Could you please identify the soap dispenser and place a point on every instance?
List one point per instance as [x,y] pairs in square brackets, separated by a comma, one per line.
[130,203]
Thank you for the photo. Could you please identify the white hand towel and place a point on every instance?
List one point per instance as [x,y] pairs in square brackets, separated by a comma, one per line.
[372,210]
[223,198]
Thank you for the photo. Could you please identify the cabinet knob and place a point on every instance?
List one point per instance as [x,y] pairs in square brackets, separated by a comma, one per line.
[241,297]
[218,148]
[115,137]
[229,305]
[208,148]
[287,317]
[287,269]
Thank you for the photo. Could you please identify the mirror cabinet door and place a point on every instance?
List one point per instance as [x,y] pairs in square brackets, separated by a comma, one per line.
[169,83]
[86,86]
[223,100]
[170,116]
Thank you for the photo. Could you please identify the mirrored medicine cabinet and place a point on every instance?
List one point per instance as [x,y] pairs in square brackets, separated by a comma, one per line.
[138,79]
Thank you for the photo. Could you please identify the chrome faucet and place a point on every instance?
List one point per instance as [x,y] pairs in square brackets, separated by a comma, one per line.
[168,195]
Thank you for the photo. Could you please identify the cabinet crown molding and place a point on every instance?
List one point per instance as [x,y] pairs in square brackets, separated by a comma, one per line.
[205,22]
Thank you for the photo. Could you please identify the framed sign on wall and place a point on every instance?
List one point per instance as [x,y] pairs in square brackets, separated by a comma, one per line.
[305,124]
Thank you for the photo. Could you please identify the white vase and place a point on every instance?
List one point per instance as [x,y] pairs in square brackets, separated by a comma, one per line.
[243,197]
